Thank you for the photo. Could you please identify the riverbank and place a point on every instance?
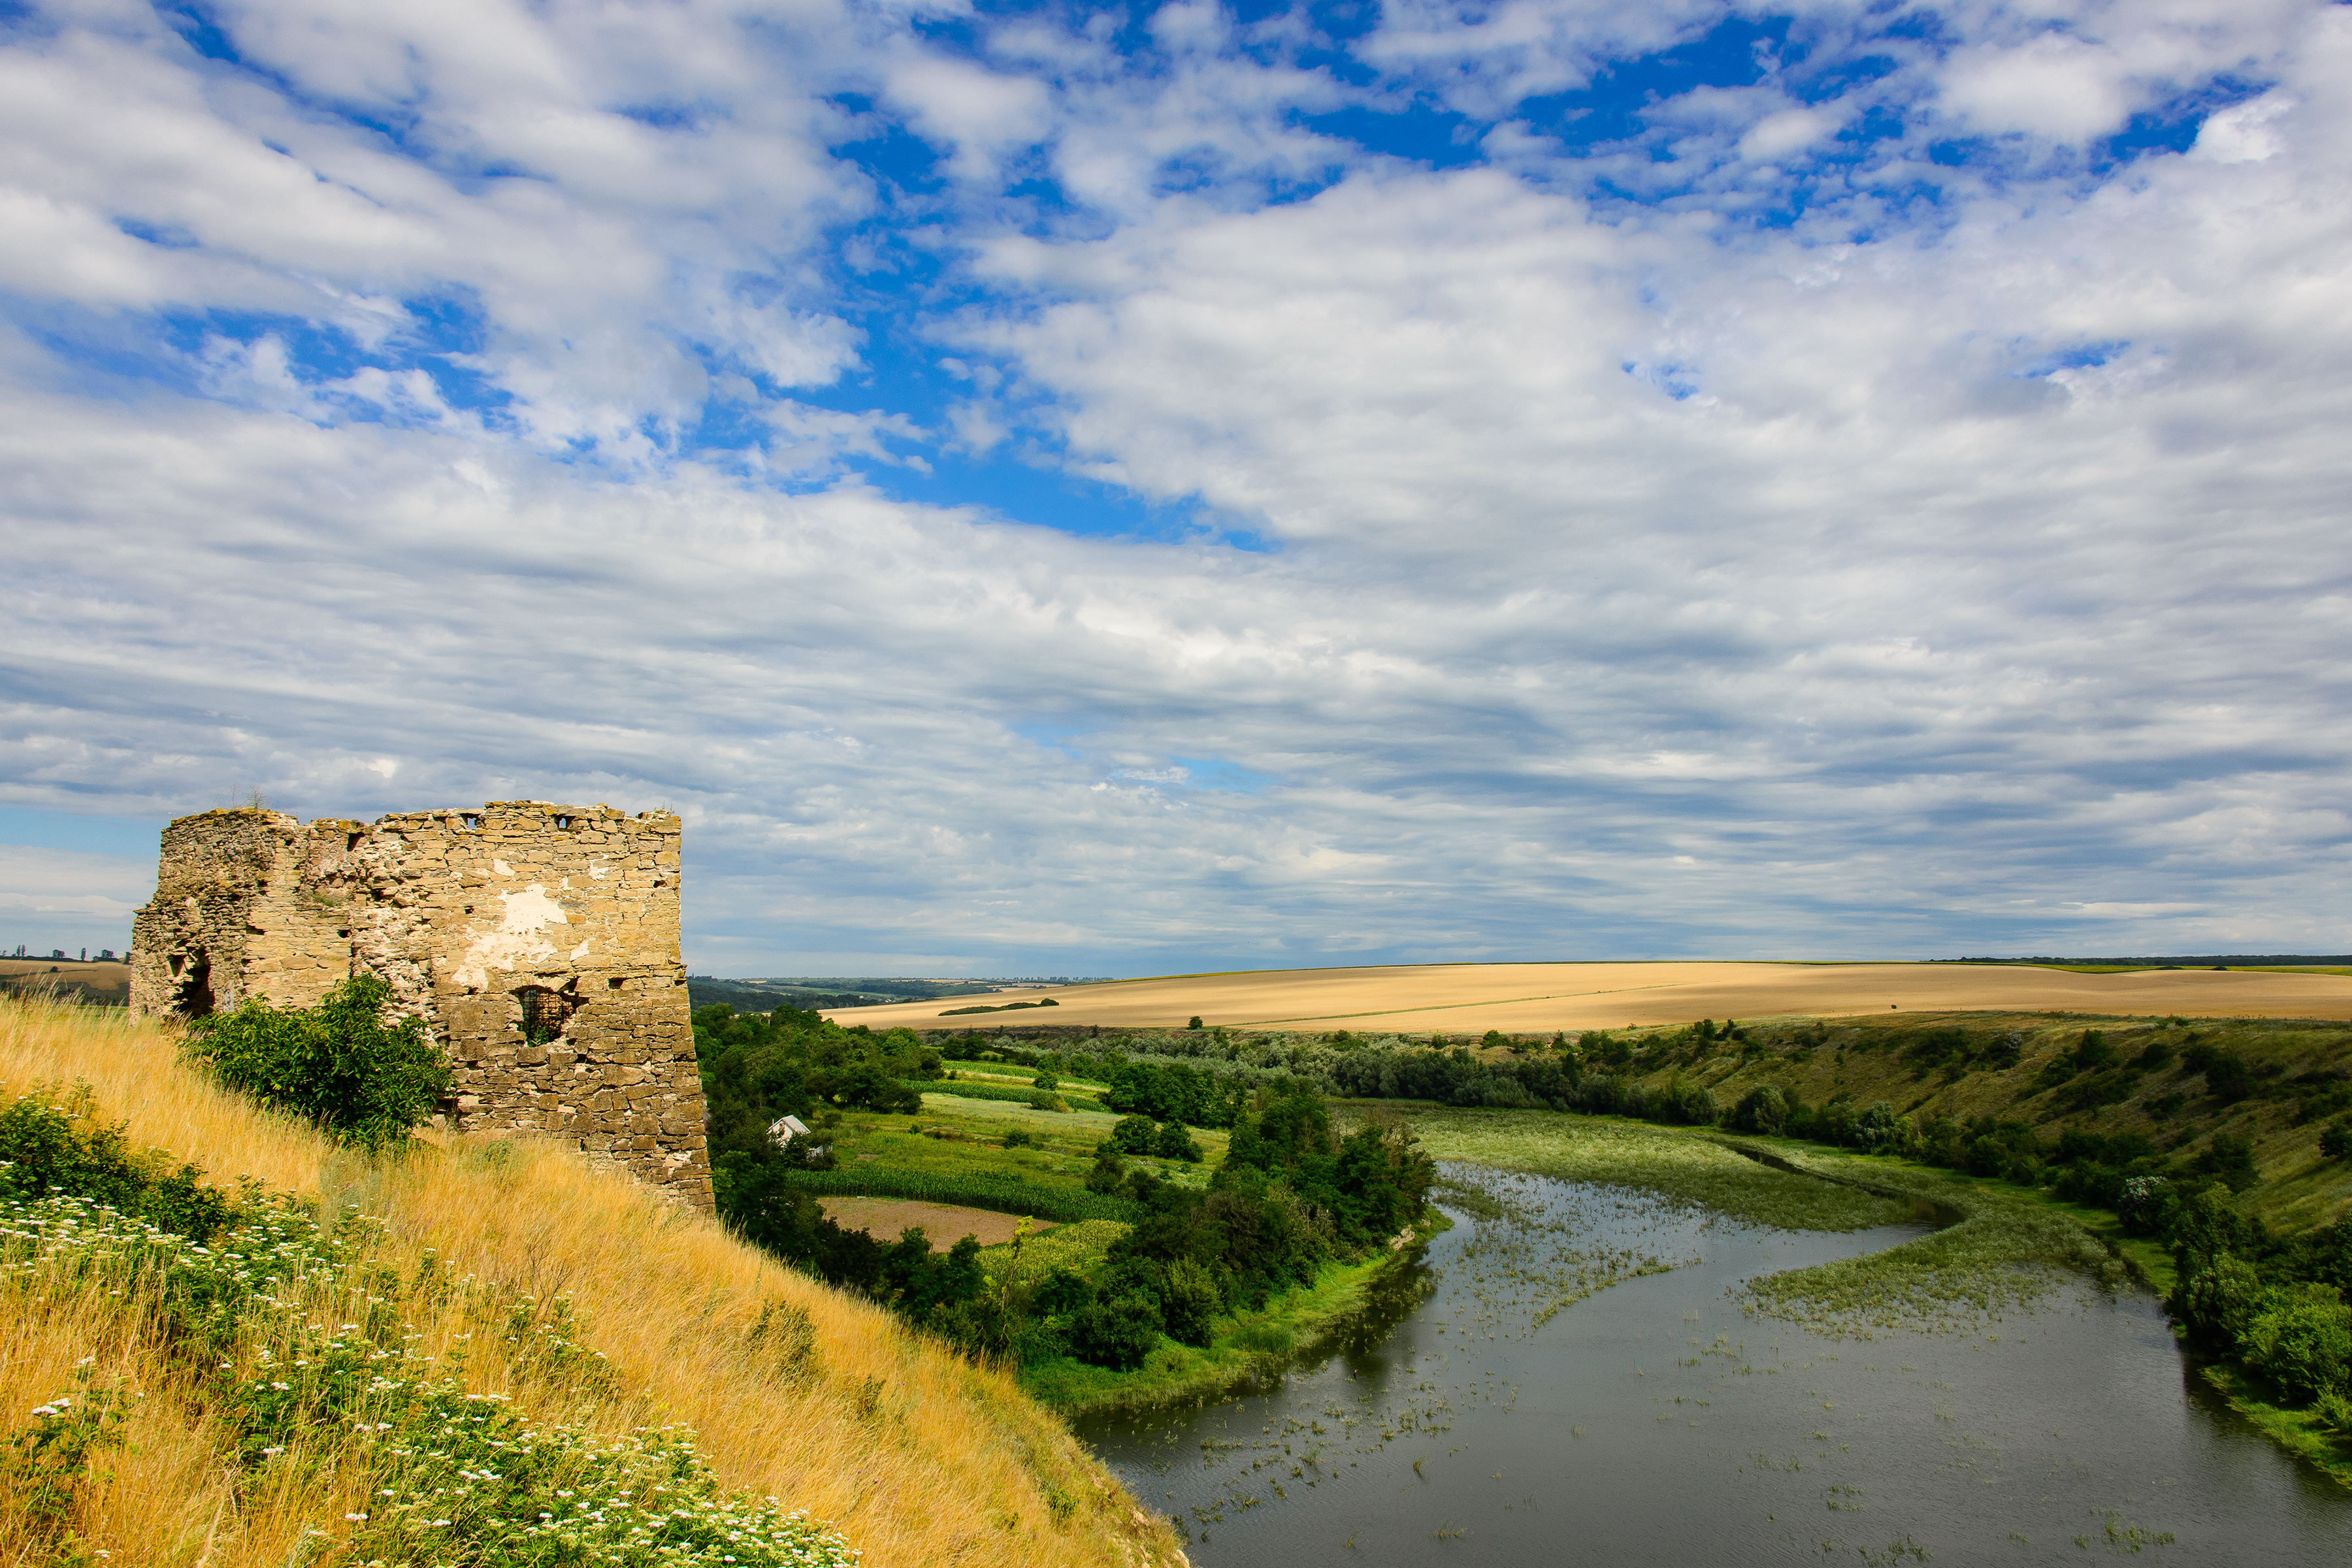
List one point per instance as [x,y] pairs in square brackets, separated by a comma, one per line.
[1654,1421]
[1247,1349]
[1999,1248]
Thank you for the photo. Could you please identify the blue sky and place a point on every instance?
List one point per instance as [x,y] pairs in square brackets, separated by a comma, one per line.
[1135,489]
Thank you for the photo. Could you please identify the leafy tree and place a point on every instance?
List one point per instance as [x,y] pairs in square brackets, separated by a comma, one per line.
[339,1063]
[1109,1173]
[2227,1078]
[2336,1140]
[2302,1341]
[1172,1142]
[1763,1108]
[2094,1053]
[2230,1157]
[1116,1331]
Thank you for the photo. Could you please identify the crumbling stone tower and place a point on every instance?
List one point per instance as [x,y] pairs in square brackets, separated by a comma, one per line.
[538,943]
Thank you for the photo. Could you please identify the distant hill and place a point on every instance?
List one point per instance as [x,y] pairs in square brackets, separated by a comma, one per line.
[2182,961]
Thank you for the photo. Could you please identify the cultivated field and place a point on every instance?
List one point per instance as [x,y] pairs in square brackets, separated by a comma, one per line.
[1471,998]
[942,1224]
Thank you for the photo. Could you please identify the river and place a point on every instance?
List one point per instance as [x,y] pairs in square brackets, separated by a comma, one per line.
[1495,1412]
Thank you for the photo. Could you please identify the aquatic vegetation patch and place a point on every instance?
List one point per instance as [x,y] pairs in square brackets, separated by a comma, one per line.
[1535,1251]
[1682,1168]
[2002,1254]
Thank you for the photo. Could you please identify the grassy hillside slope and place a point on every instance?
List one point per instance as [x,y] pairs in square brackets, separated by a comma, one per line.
[796,1392]
[2020,1068]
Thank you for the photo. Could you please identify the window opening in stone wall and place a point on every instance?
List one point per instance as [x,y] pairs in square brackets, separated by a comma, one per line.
[543,1014]
[193,996]
[351,841]
[470,818]
[614,982]
[564,822]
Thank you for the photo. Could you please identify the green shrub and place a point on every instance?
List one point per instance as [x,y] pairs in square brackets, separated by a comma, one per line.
[51,1149]
[2302,1342]
[1763,1108]
[1109,1173]
[337,1064]
[1189,1302]
[2231,1158]
[1172,1142]
[2226,1075]
[2335,1141]
[2094,1053]
[1116,1331]
[2219,1301]
[1134,1135]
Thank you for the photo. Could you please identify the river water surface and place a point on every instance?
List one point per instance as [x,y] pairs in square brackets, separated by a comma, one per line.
[1482,1421]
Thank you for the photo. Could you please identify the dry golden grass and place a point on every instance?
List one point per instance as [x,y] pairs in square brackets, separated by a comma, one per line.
[1471,998]
[918,1457]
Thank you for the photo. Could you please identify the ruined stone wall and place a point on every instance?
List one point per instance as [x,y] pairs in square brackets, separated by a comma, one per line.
[538,943]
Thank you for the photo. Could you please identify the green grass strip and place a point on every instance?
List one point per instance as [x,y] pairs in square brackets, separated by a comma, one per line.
[965,1089]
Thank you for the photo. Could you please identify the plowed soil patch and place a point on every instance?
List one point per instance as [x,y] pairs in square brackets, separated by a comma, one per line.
[944,1224]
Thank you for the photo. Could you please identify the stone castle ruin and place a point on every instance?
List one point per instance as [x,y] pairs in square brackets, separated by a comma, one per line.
[538,942]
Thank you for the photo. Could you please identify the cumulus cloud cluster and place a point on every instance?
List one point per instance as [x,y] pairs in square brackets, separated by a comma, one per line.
[1622,480]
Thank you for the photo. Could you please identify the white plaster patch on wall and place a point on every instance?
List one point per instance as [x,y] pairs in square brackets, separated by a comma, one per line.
[582,951]
[519,936]
[596,872]
[501,866]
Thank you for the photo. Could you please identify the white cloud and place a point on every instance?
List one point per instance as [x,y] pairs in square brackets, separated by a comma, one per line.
[568,171]
[62,898]
[1906,569]
[2057,87]
[2245,134]
[1778,135]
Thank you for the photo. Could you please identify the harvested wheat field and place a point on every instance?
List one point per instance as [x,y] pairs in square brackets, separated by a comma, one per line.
[514,1251]
[1471,998]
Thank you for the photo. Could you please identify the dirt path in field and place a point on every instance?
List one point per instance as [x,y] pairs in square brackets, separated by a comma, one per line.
[944,1224]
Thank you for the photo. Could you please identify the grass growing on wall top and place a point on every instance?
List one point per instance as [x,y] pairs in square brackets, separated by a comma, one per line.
[918,1457]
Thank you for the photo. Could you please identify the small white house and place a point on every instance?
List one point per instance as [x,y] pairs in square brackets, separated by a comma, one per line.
[788,1129]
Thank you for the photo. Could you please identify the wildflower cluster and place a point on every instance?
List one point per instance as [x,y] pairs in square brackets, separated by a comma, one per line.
[44,1458]
[468,1480]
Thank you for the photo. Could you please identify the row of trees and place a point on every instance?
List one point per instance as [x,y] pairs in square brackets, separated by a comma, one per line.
[1288,1196]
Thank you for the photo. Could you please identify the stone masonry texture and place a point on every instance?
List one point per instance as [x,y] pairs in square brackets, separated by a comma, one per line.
[538,942]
